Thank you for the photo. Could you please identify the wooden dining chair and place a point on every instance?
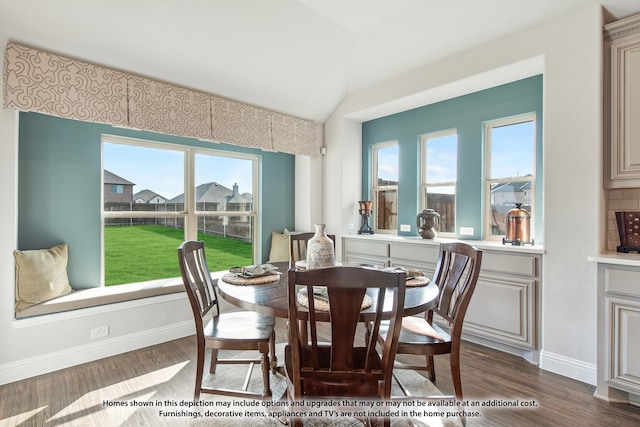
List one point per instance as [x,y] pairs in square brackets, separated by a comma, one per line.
[340,366]
[225,331]
[298,246]
[456,276]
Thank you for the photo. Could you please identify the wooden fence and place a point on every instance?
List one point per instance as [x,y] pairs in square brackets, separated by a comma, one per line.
[239,228]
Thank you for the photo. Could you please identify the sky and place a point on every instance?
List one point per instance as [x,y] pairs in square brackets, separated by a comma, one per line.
[162,171]
[512,155]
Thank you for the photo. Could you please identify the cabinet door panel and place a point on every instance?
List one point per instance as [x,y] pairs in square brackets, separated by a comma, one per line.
[421,253]
[625,107]
[504,309]
[378,249]
[509,264]
[624,367]
[622,281]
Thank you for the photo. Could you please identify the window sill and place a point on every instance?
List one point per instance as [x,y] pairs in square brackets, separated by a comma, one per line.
[96,297]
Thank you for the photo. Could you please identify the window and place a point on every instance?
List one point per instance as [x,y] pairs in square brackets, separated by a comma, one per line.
[510,170]
[385,187]
[117,189]
[439,172]
[171,193]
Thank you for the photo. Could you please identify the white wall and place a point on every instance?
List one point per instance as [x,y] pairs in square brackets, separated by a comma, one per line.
[308,192]
[569,51]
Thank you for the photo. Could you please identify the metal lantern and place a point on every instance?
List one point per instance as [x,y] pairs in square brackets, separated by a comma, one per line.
[518,227]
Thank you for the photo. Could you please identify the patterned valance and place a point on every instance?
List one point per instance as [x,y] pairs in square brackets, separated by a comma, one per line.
[47,83]
[247,125]
[167,109]
[39,81]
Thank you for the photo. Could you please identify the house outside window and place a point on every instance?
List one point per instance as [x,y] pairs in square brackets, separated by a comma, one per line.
[438,171]
[385,187]
[510,171]
[175,193]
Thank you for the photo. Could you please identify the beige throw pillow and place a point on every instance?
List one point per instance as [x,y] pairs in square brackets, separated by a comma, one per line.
[279,247]
[41,275]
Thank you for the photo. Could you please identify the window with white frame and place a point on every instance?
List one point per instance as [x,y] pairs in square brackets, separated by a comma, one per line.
[439,171]
[173,193]
[510,170]
[385,186]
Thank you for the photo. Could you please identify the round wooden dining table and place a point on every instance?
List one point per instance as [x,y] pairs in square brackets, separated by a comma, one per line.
[271,298]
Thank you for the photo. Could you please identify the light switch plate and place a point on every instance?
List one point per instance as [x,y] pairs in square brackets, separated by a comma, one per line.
[466,231]
[100,332]
[405,227]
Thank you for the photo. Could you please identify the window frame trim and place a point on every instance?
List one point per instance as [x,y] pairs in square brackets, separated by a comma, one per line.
[422,199]
[189,213]
[488,181]
[375,188]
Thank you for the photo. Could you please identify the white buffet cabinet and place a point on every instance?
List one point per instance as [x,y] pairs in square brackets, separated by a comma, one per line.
[504,312]
[618,327]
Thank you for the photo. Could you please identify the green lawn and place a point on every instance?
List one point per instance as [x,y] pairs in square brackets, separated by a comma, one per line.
[148,252]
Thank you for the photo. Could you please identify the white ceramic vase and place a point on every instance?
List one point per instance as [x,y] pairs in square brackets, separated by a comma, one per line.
[320,250]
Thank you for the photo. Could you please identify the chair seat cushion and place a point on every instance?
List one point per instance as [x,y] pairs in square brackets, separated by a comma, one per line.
[418,331]
[240,326]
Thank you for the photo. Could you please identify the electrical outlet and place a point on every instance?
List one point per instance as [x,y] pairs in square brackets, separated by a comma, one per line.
[466,231]
[100,332]
[405,227]
[351,226]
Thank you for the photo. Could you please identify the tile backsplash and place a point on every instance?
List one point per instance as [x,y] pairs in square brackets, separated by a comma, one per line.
[627,199]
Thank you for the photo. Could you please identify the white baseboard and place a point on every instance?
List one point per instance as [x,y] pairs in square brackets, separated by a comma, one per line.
[30,367]
[531,356]
[567,367]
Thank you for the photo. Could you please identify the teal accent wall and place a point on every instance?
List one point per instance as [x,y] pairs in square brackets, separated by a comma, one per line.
[467,114]
[59,184]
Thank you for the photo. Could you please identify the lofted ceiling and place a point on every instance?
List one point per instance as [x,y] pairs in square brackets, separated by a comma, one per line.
[299,57]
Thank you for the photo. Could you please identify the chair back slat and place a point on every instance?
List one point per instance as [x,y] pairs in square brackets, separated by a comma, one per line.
[197,278]
[345,305]
[456,276]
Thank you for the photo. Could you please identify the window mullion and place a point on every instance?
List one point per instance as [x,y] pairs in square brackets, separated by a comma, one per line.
[191,220]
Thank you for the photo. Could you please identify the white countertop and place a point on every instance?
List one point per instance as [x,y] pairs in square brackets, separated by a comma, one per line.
[480,244]
[618,258]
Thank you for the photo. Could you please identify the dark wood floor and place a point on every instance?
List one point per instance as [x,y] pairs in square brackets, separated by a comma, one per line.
[80,396]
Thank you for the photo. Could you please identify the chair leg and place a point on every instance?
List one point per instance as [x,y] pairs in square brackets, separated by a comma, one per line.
[199,371]
[214,361]
[431,367]
[454,361]
[272,351]
[264,361]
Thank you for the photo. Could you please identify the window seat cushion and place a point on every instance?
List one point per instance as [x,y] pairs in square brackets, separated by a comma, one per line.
[84,298]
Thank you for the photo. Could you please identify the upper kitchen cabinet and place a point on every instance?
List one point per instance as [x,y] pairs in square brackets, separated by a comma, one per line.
[622,71]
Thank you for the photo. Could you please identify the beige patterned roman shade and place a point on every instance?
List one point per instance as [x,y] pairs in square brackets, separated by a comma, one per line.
[247,125]
[289,133]
[47,83]
[167,109]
